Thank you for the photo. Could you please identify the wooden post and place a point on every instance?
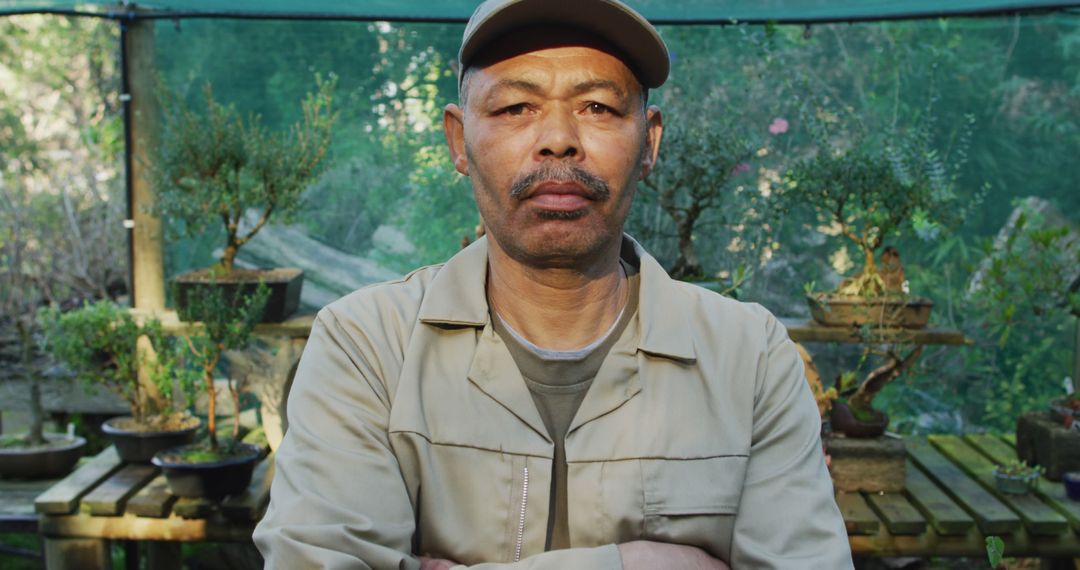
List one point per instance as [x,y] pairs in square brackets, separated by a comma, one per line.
[148,267]
[75,553]
[143,127]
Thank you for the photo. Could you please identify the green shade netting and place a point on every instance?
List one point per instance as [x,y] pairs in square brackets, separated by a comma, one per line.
[660,11]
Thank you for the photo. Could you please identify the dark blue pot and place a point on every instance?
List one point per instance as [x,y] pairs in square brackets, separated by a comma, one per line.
[1072,484]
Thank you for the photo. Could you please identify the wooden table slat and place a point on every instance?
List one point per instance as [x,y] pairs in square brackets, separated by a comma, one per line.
[943,513]
[110,496]
[989,513]
[1038,517]
[63,498]
[898,514]
[189,508]
[154,500]
[858,516]
[1053,492]
[249,505]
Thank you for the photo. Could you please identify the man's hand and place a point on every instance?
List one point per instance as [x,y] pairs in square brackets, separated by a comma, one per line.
[436,563]
[646,555]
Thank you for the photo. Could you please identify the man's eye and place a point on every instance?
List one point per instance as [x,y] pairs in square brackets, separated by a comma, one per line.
[595,108]
[514,110]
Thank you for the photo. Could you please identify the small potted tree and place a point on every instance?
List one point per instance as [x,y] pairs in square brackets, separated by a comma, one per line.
[868,191]
[1017,477]
[213,468]
[37,454]
[101,343]
[214,167]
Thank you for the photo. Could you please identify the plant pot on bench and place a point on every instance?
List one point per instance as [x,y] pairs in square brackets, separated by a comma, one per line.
[284,285]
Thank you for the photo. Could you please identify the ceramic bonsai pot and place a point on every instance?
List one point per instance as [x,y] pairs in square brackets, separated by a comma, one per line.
[845,311]
[843,421]
[1072,485]
[212,480]
[1015,484]
[139,446]
[46,462]
[284,283]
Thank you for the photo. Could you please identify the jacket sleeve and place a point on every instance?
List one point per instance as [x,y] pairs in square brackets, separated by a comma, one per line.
[338,498]
[787,516]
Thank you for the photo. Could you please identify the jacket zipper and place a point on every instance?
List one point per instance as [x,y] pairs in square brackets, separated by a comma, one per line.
[521,520]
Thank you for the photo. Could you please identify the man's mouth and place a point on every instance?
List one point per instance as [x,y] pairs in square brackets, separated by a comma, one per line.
[559,196]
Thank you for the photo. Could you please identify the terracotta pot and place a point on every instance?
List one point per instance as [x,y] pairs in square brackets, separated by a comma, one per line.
[284,283]
[844,421]
[45,462]
[844,311]
[212,480]
[136,446]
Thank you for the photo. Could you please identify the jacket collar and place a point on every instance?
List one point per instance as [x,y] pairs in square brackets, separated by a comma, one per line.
[457,298]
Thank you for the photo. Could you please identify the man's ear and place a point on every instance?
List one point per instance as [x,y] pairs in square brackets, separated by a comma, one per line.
[454,129]
[654,131]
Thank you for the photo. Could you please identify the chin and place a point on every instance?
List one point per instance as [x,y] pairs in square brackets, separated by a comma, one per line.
[557,244]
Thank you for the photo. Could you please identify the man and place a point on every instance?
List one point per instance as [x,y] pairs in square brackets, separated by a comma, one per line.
[550,398]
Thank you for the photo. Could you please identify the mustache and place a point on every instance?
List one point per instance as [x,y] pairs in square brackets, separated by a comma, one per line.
[595,187]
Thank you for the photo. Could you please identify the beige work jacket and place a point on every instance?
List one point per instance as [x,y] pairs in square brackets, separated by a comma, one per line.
[411,432]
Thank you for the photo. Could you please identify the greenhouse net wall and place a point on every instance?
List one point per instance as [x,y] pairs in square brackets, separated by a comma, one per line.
[996,99]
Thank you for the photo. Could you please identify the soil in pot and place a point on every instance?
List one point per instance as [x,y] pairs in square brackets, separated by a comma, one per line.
[843,420]
[54,459]
[138,442]
[284,283]
[200,472]
[847,311]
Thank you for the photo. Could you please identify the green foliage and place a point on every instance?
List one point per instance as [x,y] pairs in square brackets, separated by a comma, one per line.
[99,342]
[995,550]
[1018,468]
[695,174]
[1032,273]
[212,166]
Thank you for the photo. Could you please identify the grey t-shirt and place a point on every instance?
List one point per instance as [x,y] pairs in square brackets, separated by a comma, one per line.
[558,382]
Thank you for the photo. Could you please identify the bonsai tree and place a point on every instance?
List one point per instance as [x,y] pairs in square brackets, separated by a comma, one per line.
[212,165]
[99,342]
[869,191]
[694,176]
[226,324]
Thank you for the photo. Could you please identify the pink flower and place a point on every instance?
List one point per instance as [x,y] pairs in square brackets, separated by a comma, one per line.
[779,126]
[740,168]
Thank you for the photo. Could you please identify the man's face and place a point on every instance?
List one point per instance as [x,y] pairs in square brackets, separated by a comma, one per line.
[555,140]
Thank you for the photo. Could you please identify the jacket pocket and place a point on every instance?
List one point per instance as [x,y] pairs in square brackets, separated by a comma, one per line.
[693,501]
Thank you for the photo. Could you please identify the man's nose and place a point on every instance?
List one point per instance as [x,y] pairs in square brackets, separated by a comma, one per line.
[558,136]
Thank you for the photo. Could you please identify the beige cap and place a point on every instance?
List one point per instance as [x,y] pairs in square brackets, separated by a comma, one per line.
[611,20]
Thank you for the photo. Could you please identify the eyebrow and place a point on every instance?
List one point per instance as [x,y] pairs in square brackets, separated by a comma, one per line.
[579,89]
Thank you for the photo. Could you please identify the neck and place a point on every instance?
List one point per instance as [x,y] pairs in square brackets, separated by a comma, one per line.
[557,308]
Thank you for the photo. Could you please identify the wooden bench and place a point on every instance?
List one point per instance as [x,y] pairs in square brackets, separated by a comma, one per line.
[106,499]
[950,505]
